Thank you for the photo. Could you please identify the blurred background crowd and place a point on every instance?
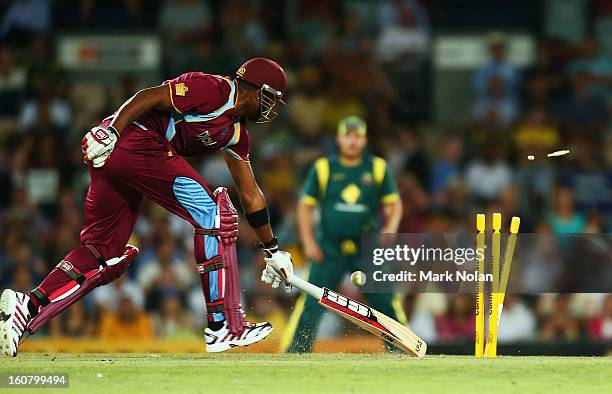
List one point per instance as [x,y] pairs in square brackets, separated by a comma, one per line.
[377,59]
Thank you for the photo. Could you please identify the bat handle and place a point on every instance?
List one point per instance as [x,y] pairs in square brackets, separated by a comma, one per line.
[306,287]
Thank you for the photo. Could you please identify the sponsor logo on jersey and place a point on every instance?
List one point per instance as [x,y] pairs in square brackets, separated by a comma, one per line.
[205,138]
[367,178]
[65,266]
[351,194]
[180,89]
[338,176]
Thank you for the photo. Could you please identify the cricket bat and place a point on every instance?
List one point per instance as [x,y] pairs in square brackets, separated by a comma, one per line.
[365,317]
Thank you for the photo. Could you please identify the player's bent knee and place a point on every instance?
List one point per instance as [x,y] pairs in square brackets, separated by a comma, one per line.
[80,284]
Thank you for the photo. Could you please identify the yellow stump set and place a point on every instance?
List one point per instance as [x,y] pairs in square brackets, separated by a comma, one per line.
[498,284]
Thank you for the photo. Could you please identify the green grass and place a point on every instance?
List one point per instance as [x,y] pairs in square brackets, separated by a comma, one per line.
[315,373]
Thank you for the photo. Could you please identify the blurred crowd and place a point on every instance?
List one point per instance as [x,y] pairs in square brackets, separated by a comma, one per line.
[371,59]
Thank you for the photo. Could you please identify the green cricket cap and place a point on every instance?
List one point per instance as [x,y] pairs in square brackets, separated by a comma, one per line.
[350,124]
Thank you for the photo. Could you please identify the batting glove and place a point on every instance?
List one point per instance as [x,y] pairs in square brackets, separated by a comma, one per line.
[279,268]
[98,144]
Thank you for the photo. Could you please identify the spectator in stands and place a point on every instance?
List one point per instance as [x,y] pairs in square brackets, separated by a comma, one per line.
[565,219]
[74,322]
[458,322]
[108,298]
[21,278]
[497,103]
[559,323]
[412,158]
[583,114]
[597,65]
[421,318]
[43,73]
[446,169]
[19,255]
[183,23]
[600,325]
[339,105]
[307,103]
[404,41]
[415,202]
[498,67]
[390,12]
[487,177]
[536,134]
[243,31]
[12,82]
[543,262]
[129,322]
[164,272]
[118,14]
[45,114]
[172,321]
[24,19]
[589,177]
[517,323]
[544,81]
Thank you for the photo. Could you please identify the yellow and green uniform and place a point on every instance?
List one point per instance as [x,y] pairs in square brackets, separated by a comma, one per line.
[349,198]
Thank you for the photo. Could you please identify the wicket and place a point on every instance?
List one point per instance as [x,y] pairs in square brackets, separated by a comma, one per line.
[498,285]
[480,303]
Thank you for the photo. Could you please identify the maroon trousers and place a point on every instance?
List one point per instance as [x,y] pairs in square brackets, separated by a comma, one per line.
[142,164]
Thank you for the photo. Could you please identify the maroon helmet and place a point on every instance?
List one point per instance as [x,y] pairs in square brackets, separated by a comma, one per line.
[269,77]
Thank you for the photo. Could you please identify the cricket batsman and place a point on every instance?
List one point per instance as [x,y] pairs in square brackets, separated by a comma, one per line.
[140,151]
[350,189]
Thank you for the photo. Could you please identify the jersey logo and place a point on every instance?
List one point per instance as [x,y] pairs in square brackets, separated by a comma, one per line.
[338,177]
[350,194]
[205,138]
[65,266]
[367,178]
[180,89]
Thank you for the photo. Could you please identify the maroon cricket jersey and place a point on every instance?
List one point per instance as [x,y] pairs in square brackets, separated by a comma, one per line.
[202,120]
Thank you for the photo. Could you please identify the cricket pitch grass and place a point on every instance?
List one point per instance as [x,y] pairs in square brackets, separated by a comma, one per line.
[313,373]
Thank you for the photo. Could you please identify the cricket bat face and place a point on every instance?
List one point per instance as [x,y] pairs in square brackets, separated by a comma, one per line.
[374,321]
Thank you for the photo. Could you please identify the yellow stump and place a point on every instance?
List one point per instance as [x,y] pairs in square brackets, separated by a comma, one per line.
[491,346]
[508,254]
[479,333]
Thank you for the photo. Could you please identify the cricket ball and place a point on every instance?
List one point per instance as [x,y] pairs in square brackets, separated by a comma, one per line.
[358,278]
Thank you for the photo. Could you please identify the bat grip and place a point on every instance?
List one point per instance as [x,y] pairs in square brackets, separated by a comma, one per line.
[306,287]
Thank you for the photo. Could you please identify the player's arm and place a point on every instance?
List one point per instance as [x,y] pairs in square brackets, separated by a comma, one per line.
[143,101]
[278,263]
[392,216]
[251,197]
[305,223]
[99,142]
[391,203]
[309,199]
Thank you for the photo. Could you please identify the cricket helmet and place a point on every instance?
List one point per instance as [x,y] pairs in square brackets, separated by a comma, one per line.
[271,80]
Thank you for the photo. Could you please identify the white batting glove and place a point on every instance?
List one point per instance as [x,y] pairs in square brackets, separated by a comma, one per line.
[98,144]
[279,268]
[270,277]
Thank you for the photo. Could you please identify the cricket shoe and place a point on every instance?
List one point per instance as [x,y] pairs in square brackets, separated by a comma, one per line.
[14,317]
[222,340]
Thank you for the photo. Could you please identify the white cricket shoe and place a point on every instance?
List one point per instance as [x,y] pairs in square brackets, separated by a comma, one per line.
[14,317]
[222,340]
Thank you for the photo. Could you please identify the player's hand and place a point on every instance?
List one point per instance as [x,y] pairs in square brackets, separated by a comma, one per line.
[279,268]
[98,144]
[313,252]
